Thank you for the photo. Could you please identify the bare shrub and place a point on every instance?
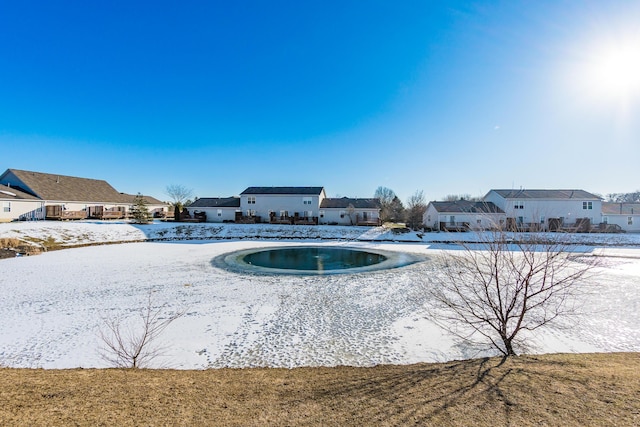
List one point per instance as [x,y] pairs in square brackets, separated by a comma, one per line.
[135,344]
[490,293]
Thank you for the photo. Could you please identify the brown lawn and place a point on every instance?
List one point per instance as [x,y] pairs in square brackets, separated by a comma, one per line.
[552,390]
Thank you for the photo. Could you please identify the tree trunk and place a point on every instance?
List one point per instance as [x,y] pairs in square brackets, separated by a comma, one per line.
[508,346]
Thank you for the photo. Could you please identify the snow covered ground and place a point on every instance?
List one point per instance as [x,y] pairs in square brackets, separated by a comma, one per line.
[53,306]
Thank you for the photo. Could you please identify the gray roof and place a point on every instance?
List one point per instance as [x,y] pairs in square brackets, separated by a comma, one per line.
[67,188]
[547,194]
[310,191]
[150,200]
[12,193]
[465,206]
[216,202]
[610,208]
[344,202]
[63,188]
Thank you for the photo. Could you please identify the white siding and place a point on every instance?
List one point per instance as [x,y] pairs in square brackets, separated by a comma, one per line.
[12,209]
[217,214]
[540,210]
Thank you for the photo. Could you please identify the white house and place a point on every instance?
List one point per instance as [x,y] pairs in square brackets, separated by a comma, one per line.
[624,215]
[286,205]
[69,197]
[548,210]
[463,215]
[348,211]
[16,204]
[218,209]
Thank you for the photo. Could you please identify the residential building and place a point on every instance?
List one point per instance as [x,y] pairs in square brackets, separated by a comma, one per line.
[349,211]
[548,210]
[286,205]
[623,215]
[68,197]
[463,215]
[17,204]
[217,209]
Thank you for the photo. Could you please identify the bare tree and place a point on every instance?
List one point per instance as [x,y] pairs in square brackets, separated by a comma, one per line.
[456,197]
[416,207]
[633,197]
[493,294]
[179,194]
[351,212]
[128,345]
[386,197]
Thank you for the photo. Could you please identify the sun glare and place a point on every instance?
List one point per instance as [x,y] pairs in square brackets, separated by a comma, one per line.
[614,70]
[619,69]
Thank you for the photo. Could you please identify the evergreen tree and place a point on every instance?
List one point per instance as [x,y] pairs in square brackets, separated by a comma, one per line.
[140,210]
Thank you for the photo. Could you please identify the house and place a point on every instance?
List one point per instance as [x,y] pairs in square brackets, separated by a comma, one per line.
[547,210]
[626,216]
[16,204]
[217,209]
[281,205]
[349,211]
[463,215]
[68,197]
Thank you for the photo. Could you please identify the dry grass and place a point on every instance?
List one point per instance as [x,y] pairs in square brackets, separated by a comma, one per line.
[554,390]
[10,246]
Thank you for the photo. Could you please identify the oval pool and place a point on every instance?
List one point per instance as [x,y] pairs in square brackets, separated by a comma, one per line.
[303,260]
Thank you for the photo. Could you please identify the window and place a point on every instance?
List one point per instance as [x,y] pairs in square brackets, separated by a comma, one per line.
[251,200]
[6,206]
[284,214]
[520,220]
[587,205]
[630,220]
[251,212]
[306,200]
[452,220]
[518,204]
[428,218]
[219,212]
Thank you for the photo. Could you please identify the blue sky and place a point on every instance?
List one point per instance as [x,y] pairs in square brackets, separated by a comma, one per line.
[445,97]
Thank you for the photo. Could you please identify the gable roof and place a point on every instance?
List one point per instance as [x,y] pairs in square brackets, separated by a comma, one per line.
[310,191]
[610,208]
[466,206]
[150,200]
[216,202]
[344,202]
[547,194]
[11,193]
[48,186]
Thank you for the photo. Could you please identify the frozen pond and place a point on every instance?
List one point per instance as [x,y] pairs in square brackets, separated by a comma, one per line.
[54,305]
[320,260]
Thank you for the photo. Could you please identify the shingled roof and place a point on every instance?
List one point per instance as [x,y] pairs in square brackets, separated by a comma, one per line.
[150,200]
[48,186]
[344,203]
[310,191]
[466,206]
[11,193]
[547,194]
[216,202]
[610,208]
